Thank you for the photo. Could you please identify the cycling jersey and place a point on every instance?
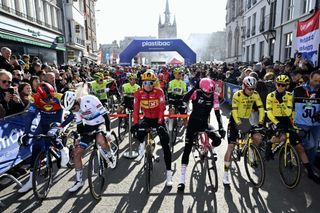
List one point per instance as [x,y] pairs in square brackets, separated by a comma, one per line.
[91,111]
[128,89]
[276,109]
[99,90]
[177,87]
[151,103]
[242,106]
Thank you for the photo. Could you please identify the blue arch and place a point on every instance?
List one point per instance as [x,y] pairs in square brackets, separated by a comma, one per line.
[158,45]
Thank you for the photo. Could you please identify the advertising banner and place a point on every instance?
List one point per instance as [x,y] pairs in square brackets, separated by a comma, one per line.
[308,38]
[11,153]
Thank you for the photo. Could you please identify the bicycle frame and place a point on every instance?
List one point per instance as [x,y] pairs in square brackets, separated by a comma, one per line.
[285,144]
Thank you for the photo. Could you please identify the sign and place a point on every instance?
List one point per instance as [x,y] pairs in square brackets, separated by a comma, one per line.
[107,56]
[11,153]
[60,39]
[308,37]
[230,89]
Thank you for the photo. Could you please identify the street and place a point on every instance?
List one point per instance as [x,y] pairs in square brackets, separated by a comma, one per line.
[124,190]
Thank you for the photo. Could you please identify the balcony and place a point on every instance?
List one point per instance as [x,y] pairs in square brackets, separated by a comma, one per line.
[79,41]
[27,17]
[253,31]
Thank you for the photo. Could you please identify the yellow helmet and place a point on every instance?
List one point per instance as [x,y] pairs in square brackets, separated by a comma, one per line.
[148,76]
[132,76]
[98,76]
[177,70]
[283,79]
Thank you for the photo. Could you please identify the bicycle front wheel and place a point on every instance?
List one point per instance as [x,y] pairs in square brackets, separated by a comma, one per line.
[42,175]
[114,145]
[96,174]
[254,165]
[210,164]
[148,168]
[289,166]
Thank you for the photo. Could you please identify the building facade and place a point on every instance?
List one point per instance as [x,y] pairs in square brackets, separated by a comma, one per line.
[167,29]
[268,28]
[33,27]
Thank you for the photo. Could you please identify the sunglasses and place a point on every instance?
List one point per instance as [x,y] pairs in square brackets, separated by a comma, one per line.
[145,83]
[250,89]
[5,81]
[281,85]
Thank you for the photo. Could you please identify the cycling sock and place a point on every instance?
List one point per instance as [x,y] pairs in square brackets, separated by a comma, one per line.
[79,175]
[226,166]
[183,173]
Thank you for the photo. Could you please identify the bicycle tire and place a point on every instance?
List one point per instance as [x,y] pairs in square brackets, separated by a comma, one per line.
[292,162]
[115,142]
[42,167]
[210,164]
[120,120]
[96,167]
[248,164]
[148,162]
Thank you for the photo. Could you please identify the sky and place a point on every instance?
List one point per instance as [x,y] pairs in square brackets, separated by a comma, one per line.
[116,19]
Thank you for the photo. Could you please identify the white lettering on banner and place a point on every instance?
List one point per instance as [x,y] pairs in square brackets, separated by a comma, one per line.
[155,43]
[5,141]
[309,43]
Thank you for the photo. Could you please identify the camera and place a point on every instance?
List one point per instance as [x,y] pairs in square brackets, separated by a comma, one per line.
[11,91]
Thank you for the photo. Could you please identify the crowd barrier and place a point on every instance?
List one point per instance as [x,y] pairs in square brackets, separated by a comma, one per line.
[11,127]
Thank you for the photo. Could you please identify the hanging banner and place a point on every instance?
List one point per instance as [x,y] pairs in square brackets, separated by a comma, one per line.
[230,89]
[308,38]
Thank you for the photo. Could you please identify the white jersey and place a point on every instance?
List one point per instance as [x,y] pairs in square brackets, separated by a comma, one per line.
[91,111]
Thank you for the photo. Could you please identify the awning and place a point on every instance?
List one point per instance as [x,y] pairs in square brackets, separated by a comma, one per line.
[30,41]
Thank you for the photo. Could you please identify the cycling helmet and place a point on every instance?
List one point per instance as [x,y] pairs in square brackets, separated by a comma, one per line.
[249,81]
[177,70]
[45,90]
[98,76]
[132,76]
[67,100]
[148,76]
[206,85]
[283,79]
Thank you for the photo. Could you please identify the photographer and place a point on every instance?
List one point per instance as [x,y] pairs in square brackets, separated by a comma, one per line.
[9,98]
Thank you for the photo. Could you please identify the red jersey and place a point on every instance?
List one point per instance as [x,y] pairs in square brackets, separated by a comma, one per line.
[151,103]
[166,77]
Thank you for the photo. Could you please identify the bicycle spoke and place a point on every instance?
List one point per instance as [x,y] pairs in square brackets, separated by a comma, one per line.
[42,175]
[254,166]
[96,174]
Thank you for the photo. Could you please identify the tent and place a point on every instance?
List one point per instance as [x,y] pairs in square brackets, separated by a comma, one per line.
[175,61]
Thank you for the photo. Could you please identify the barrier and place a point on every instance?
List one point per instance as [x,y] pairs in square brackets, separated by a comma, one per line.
[229,90]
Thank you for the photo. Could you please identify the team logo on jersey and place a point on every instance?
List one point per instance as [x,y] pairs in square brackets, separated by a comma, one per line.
[48,107]
[149,104]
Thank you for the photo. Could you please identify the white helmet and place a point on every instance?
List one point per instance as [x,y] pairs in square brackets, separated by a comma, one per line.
[67,100]
[249,81]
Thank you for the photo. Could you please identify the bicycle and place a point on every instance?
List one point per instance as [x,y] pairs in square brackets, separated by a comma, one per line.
[97,164]
[206,154]
[42,176]
[253,162]
[149,157]
[288,159]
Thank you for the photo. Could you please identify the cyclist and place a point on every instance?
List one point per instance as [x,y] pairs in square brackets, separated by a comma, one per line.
[203,100]
[44,111]
[90,115]
[128,89]
[152,102]
[280,113]
[100,87]
[177,89]
[242,103]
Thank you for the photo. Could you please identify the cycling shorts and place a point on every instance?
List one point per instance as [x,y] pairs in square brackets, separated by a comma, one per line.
[233,129]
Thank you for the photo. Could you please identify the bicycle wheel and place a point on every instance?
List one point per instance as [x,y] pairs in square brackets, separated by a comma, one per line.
[96,174]
[210,164]
[121,128]
[114,144]
[148,167]
[289,166]
[42,175]
[254,165]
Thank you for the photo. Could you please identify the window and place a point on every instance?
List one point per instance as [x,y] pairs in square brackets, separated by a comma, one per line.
[236,41]
[248,26]
[306,6]
[261,50]
[248,53]
[288,45]
[253,51]
[248,4]
[254,17]
[262,17]
[290,10]
[229,43]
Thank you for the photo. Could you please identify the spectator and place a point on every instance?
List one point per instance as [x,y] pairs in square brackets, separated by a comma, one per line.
[50,78]
[9,98]
[25,93]
[26,60]
[295,75]
[5,59]
[42,75]
[34,82]
[17,77]
[35,68]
